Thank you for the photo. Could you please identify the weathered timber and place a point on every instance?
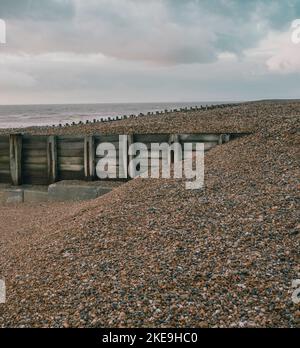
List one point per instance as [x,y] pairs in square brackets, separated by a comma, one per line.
[72,167]
[52,159]
[151,138]
[189,138]
[34,160]
[69,160]
[15,157]
[4,160]
[69,147]
[47,159]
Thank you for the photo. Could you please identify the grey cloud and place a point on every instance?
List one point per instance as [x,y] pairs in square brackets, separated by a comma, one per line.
[158,31]
[138,50]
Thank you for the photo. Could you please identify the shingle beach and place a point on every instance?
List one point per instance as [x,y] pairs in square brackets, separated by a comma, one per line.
[153,254]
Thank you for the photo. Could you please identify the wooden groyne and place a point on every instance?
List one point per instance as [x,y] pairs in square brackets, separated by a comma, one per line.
[43,160]
[182,110]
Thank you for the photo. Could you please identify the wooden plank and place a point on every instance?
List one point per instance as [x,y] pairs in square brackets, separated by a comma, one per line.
[4,152]
[114,143]
[151,138]
[69,138]
[106,138]
[199,138]
[71,167]
[32,180]
[207,146]
[29,153]
[4,146]
[34,140]
[37,146]
[52,159]
[5,176]
[4,166]
[70,146]
[34,143]
[4,159]
[70,175]
[35,160]
[15,142]
[35,166]
[148,145]
[33,174]
[30,139]
[70,153]
[70,160]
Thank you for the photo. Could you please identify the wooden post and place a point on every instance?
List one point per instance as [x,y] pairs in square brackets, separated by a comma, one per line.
[220,142]
[52,159]
[224,138]
[89,158]
[15,158]
[174,138]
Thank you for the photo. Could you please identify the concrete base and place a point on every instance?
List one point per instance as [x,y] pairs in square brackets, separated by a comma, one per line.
[76,191]
[58,192]
[13,196]
[3,194]
[26,193]
[36,194]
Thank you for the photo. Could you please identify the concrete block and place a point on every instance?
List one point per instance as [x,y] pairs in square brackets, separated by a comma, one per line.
[2,197]
[76,191]
[35,196]
[14,196]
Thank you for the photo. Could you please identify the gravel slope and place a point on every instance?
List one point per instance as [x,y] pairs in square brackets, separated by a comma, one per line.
[153,254]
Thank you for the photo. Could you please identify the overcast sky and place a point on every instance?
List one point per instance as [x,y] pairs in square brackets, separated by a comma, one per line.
[80,51]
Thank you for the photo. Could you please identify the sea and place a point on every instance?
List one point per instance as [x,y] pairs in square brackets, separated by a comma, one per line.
[19,116]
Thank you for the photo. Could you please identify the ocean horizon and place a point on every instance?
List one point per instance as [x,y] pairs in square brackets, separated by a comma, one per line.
[19,116]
